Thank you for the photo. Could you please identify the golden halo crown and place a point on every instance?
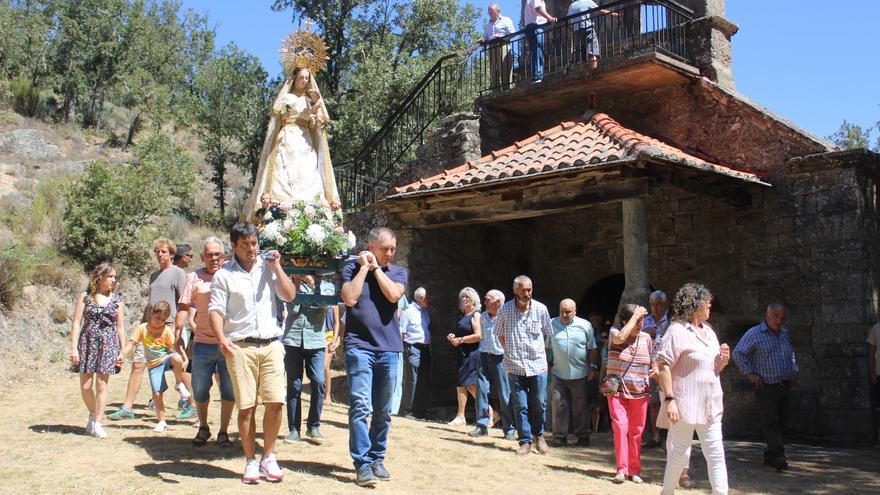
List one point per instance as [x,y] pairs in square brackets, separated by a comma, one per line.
[303,49]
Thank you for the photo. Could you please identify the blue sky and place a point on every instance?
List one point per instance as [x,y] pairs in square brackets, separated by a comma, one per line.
[813,63]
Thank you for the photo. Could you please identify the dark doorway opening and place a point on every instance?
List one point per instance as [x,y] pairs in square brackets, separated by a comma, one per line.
[603,297]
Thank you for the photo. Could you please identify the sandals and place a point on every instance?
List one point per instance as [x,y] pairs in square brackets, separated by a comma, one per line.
[685,482]
[202,436]
[223,440]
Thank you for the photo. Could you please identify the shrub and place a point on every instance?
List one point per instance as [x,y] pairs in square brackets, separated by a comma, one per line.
[59,314]
[17,263]
[110,210]
[25,97]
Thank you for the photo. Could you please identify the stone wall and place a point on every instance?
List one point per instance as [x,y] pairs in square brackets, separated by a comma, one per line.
[698,117]
[454,141]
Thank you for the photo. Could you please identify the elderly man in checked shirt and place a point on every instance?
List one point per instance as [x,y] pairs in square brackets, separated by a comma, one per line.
[522,327]
[765,355]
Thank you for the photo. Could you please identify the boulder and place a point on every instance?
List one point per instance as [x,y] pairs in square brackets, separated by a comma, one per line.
[28,143]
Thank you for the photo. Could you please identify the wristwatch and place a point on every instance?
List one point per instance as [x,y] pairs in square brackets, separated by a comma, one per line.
[669,398]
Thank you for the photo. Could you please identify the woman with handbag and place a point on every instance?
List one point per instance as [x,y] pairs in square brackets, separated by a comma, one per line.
[626,386]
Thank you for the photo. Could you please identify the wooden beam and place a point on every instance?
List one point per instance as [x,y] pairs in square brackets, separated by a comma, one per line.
[513,204]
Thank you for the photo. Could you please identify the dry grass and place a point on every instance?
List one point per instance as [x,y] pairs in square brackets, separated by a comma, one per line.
[45,450]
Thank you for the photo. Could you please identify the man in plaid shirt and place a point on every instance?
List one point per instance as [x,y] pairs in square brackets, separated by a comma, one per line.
[765,355]
[522,327]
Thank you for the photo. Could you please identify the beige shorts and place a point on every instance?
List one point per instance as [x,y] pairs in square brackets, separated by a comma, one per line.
[257,371]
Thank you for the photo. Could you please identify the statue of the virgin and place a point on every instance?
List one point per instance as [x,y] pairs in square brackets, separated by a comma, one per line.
[295,162]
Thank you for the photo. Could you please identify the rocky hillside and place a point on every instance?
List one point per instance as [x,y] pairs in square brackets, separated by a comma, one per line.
[34,333]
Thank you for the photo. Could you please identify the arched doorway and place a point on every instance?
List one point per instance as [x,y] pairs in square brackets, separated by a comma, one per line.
[602,297]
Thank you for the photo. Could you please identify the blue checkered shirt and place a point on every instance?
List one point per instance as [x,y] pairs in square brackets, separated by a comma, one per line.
[524,335]
[767,354]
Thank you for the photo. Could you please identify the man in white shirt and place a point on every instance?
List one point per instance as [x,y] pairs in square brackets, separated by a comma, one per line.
[535,15]
[242,316]
[500,64]
[415,327]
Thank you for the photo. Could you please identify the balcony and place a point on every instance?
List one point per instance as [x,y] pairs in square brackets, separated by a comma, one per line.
[620,48]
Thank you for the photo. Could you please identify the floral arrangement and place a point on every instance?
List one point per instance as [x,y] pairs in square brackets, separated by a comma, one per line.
[305,229]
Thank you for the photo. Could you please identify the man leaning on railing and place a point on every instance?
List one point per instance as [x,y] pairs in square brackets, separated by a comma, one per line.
[500,64]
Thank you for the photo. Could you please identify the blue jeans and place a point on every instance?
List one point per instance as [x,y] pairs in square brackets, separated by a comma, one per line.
[294,360]
[535,39]
[529,397]
[370,380]
[206,359]
[492,373]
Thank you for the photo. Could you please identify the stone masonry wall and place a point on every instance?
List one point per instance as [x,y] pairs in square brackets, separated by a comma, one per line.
[697,117]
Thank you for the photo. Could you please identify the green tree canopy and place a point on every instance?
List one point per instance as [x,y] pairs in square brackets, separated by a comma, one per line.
[379,50]
[230,114]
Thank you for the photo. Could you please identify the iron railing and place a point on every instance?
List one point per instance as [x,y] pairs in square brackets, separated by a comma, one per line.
[456,82]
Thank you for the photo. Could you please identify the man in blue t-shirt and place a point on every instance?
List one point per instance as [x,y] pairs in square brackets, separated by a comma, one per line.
[370,291]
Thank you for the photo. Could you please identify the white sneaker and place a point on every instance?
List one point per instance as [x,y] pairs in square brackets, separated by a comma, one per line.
[98,431]
[269,468]
[184,393]
[161,426]
[251,474]
[90,424]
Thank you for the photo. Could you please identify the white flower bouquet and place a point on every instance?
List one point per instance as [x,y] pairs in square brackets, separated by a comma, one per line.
[305,229]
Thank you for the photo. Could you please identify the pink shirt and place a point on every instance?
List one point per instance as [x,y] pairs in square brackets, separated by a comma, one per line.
[692,354]
[197,293]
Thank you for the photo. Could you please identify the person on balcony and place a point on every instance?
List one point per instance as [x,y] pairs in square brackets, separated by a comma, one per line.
[500,64]
[535,15]
[584,39]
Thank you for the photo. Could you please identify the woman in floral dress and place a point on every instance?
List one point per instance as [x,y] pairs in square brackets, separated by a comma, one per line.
[95,337]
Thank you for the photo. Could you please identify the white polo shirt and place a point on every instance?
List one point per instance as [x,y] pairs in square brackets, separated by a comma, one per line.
[246,300]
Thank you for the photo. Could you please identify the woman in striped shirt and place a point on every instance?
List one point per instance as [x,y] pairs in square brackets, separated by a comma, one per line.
[629,359]
[690,362]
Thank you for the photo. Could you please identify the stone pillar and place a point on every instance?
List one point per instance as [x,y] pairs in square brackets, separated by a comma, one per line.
[709,40]
[635,253]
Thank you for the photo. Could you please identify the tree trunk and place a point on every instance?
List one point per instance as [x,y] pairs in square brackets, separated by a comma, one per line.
[134,127]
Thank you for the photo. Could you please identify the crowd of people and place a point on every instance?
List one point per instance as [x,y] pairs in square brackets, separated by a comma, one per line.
[219,325]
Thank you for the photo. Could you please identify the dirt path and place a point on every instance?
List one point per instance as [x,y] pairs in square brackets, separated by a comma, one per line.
[45,450]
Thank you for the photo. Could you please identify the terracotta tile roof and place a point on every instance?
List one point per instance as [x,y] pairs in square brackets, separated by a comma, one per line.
[589,143]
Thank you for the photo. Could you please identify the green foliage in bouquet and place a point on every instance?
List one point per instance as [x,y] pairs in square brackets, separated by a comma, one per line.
[305,229]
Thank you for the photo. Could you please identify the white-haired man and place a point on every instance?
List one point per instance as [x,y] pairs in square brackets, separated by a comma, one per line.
[522,327]
[500,64]
[655,325]
[415,327]
[492,373]
[206,355]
